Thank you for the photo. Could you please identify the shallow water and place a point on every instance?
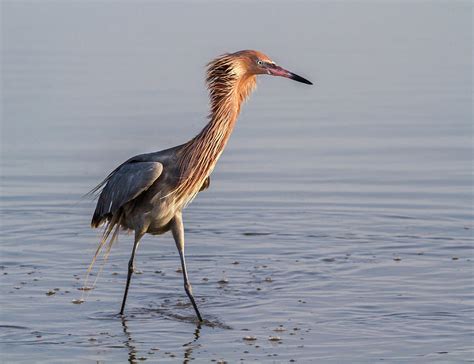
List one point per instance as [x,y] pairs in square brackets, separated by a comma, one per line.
[339,218]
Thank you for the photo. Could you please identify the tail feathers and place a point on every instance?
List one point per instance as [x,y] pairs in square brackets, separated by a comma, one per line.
[105,246]
[98,220]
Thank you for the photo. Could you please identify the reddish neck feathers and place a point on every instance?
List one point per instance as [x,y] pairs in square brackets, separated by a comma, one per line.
[228,86]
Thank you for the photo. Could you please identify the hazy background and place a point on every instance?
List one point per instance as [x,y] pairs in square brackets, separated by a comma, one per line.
[348,205]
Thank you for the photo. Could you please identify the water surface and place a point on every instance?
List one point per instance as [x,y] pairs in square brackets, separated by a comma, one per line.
[339,218]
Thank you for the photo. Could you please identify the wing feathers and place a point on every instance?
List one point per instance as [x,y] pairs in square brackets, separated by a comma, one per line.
[123,185]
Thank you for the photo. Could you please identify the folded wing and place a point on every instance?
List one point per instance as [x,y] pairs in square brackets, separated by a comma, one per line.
[123,185]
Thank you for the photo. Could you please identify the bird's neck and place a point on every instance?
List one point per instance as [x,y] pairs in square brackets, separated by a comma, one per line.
[199,156]
[226,101]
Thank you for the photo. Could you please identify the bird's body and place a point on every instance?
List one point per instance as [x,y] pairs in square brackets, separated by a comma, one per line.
[148,192]
[152,206]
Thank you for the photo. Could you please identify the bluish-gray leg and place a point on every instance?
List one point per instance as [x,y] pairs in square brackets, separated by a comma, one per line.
[138,236]
[177,229]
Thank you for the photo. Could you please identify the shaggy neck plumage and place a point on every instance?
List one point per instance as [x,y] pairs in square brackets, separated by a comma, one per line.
[228,88]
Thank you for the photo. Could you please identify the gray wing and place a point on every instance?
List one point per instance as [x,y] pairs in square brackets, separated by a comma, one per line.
[123,185]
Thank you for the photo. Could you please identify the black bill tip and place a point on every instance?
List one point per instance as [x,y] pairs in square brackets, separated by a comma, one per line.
[295,77]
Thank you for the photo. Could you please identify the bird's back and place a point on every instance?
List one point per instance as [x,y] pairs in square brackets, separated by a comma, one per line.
[144,175]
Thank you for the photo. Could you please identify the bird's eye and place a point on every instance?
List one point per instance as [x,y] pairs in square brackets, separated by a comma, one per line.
[260,62]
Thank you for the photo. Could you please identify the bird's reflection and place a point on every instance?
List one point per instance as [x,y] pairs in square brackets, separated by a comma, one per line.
[189,347]
[132,350]
[129,343]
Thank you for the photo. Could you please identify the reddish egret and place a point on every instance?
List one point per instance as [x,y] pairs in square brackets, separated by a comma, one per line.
[148,192]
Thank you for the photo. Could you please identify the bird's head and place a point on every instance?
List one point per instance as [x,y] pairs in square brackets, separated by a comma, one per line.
[252,63]
[234,75]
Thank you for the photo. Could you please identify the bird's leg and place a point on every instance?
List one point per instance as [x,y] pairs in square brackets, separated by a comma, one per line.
[138,236]
[177,229]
